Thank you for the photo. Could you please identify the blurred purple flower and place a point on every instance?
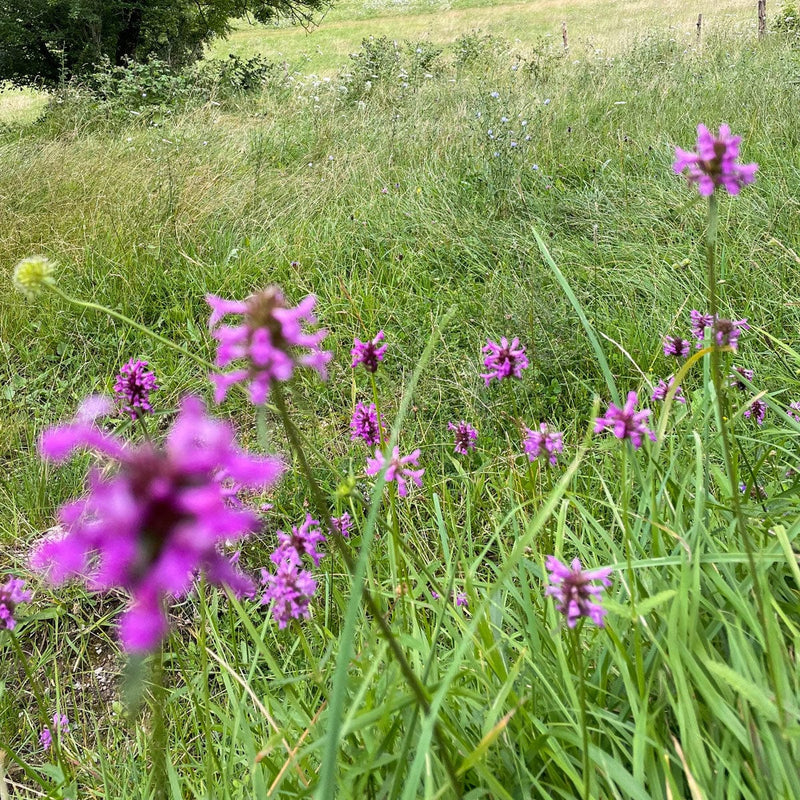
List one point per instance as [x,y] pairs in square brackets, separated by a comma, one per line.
[794,410]
[156,520]
[60,726]
[575,595]
[267,340]
[342,525]
[626,422]
[368,353]
[503,360]
[12,594]
[303,540]
[757,410]
[543,443]
[736,376]
[290,590]
[676,346]
[727,331]
[364,424]
[699,324]
[714,162]
[465,436]
[397,469]
[660,392]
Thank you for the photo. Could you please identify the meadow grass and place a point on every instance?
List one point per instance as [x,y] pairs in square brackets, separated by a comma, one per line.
[381,192]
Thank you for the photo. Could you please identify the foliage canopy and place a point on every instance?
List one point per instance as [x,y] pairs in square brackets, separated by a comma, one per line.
[42,41]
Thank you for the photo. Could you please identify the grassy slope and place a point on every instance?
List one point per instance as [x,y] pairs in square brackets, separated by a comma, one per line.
[224,198]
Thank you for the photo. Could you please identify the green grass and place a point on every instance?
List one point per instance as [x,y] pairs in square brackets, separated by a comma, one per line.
[693,695]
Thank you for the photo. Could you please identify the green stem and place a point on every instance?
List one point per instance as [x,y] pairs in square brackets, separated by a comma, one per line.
[587,767]
[418,690]
[726,437]
[632,587]
[159,775]
[128,321]
[209,762]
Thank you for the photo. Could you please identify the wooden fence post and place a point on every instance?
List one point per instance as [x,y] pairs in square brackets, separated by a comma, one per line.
[762,18]
[564,34]
[699,25]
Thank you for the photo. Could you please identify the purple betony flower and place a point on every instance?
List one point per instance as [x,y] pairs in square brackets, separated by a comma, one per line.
[368,353]
[289,590]
[794,410]
[543,443]
[270,341]
[364,424]
[12,594]
[161,516]
[575,594]
[397,469]
[133,386]
[676,346]
[342,525]
[626,422]
[699,323]
[465,436]
[460,599]
[303,540]
[503,360]
[736,376]
[725,332]
[714,163]
[660,392]
[757,410]
[60,726]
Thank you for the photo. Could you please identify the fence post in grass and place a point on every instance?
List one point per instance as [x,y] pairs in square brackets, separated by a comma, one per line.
[699,25]
[762,18]
[564,34]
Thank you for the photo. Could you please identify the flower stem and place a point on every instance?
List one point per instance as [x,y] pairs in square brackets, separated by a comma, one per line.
[587,766]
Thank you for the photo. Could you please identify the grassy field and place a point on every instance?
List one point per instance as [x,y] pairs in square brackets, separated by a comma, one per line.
[498,188]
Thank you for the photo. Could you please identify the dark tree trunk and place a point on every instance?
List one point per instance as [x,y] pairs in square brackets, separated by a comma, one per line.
[130,34]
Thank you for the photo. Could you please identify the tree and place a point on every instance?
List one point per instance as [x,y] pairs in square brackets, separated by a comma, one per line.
[43,41]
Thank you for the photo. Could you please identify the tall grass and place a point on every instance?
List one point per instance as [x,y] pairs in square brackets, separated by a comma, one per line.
[581,241]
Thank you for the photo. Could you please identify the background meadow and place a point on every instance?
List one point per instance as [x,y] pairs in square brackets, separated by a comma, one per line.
[405,187]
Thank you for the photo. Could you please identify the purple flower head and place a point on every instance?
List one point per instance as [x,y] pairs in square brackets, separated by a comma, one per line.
[465,436]
[757,410]
[756,493]
[60,726]
[575,594]
[11,595]
[397,469]
[676,346]
[368,353]
[660,392]
[503,360]
[303,540]
[543,443]
[736,376]
[794,410]
[364,424]
[626,422]
[290,590]
[270,341]
[699,324]
[727,332]
[460,599]
[342,525]
[714,163]
[133,386]
[435,595]
[161,516]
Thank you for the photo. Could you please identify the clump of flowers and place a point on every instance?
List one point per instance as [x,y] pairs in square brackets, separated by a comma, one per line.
[504,360]
[364,424]
[60,727]
[397,469]
[663,387]
[289,590]
[32,273]
[725,332]
[736,378]
[757,410]
[161,516]
[626,422]
[271,341]
[342,525]
[133,386]
[465,436]
[543,443]
[12,593]
[303,540]
[370,354]
[714,162]
[676,346]
[575,592]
